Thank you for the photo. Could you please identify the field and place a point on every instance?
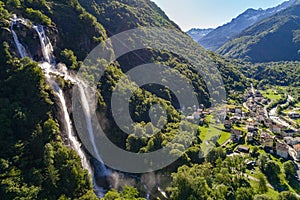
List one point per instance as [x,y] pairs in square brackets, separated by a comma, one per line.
[271,192]
[209,133]
[271,94]
[224,137]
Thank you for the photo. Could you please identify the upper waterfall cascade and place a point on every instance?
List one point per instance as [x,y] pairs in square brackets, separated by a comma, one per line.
[20,47]
[46,45]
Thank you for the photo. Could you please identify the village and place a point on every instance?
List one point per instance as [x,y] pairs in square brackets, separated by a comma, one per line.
[255,124]
[275,134]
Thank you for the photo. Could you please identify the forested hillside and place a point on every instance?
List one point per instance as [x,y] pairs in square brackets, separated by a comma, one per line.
[117,16]
[275,73]
[35,163]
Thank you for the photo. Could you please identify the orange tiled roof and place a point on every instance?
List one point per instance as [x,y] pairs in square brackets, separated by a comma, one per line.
[297,147]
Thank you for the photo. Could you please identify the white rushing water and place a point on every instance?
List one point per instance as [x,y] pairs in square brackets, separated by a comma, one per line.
[49,68]
[75,143]
[162,192]
[88,120]
[100,167]
[20,47]
[68,123]
[46,45]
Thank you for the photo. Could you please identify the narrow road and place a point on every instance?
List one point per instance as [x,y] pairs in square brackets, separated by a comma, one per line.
[266,109]
[276,119]
[226,142]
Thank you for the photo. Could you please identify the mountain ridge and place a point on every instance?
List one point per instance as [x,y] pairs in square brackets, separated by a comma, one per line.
[274,39]
[224,33]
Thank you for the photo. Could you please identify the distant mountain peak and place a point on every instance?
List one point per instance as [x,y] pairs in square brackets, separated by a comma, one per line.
[198,33]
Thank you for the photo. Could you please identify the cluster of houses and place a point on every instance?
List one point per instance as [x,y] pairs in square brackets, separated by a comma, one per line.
[254,119]
[256,104]
[198,114]
[258,117]
[283,148]
[267,140]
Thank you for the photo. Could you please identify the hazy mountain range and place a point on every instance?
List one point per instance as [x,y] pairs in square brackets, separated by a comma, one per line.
[276,38]
[241,26]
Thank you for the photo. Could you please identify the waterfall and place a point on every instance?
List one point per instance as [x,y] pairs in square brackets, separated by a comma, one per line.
[48,56]
[49,68]
[73,140]
[88,120]
[162,192]
[46,45]
[69,128]
[147,194]
[20,47]
[99,168]
[75,143]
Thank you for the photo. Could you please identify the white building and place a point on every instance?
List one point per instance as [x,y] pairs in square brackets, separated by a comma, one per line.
[282,149]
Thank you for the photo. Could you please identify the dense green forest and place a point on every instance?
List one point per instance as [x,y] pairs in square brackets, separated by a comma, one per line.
[35,162]
[274,73]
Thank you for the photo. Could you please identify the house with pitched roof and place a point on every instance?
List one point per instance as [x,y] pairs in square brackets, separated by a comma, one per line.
[282,149]
[266,140]
[236,135]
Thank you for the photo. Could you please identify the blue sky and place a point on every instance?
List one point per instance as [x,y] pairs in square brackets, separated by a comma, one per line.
[208,13]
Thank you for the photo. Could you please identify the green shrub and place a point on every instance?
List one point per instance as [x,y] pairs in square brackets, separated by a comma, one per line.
[38,17]
[14,3]
[68,57]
